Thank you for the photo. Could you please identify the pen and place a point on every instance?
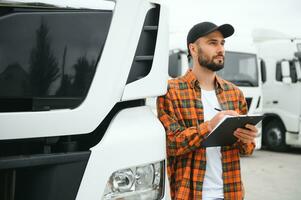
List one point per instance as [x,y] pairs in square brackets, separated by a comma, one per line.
[217,109]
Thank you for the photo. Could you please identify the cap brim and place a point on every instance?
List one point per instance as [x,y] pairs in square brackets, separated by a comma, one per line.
[226,29]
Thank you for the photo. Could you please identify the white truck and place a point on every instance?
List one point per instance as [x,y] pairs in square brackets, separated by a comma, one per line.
[74,77]
[281,56]
[241,68]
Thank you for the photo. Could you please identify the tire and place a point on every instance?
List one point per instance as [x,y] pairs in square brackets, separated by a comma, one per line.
[274,136]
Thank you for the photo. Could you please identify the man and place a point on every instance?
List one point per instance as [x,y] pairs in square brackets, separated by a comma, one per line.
[188,112]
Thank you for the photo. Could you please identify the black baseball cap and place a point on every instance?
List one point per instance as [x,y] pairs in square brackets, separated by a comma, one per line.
[204,28]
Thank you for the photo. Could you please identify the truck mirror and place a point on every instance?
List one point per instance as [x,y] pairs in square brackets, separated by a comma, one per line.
[285,70]
[263,71]
[174,67]
[298,70]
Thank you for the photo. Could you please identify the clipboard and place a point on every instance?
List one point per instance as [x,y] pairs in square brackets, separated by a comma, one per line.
[222,134]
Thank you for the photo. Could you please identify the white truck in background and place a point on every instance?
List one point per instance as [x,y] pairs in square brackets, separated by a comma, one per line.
[74,78]
[241,68]
[280,59]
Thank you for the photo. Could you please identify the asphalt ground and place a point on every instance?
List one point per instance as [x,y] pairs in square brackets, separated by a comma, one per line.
[272,175]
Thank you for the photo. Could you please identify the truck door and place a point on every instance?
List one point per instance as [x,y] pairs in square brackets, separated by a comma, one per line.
[287,93]
[282,98]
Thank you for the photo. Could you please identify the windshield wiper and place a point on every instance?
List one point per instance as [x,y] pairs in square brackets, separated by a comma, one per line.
[242,82]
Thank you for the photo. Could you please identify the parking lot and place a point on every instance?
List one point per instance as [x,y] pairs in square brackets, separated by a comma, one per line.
[272,175]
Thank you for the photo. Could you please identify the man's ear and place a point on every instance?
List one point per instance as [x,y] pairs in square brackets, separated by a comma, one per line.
[193,49]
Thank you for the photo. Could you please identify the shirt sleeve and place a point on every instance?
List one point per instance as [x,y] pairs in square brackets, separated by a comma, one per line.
[244,149]
[180,140]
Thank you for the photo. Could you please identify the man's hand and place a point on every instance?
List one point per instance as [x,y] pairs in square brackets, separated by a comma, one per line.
[246,135]
[219,116]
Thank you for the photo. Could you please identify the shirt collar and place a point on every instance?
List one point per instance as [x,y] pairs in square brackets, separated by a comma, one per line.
[193,81]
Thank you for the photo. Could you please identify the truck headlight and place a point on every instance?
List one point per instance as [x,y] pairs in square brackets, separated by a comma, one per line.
[136,183]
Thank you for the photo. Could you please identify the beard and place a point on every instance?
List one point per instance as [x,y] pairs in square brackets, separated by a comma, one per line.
[209,63]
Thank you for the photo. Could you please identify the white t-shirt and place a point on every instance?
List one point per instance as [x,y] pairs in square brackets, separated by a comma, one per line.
[213,181]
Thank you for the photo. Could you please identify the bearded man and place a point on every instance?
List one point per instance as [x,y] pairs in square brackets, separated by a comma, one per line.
[189,112]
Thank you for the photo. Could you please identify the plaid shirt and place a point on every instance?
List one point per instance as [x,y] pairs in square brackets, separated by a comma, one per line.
[181,113]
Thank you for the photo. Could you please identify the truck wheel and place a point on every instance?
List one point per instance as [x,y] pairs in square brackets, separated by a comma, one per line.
[274,136]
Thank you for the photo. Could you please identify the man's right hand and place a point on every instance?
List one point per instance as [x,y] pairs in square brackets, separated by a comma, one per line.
[219,116]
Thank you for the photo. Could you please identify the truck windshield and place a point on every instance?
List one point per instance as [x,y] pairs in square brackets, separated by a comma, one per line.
[240,69]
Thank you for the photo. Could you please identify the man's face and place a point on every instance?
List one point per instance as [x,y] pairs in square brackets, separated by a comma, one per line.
[210,51]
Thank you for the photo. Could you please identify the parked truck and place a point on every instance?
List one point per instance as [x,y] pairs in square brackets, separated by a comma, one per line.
[241,68]
[280,59]
[74,78]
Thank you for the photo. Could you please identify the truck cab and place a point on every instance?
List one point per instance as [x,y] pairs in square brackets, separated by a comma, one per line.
[280,56]
[74,77]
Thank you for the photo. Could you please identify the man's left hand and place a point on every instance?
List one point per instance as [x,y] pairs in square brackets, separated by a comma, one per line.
[246,135]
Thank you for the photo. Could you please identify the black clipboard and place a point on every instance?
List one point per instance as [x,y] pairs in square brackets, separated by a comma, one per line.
[222,135]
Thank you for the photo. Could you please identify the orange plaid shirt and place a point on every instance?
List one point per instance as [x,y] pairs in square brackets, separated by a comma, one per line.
[181,113]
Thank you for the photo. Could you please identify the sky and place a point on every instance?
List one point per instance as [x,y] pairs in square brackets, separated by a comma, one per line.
[282,15]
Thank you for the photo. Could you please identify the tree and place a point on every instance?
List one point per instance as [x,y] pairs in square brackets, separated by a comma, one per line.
[43,65]
[83,77]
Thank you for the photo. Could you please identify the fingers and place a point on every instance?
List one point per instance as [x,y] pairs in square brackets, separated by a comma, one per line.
[247,132]
[246,135]
[252,127]
[244,138]
[220,115]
